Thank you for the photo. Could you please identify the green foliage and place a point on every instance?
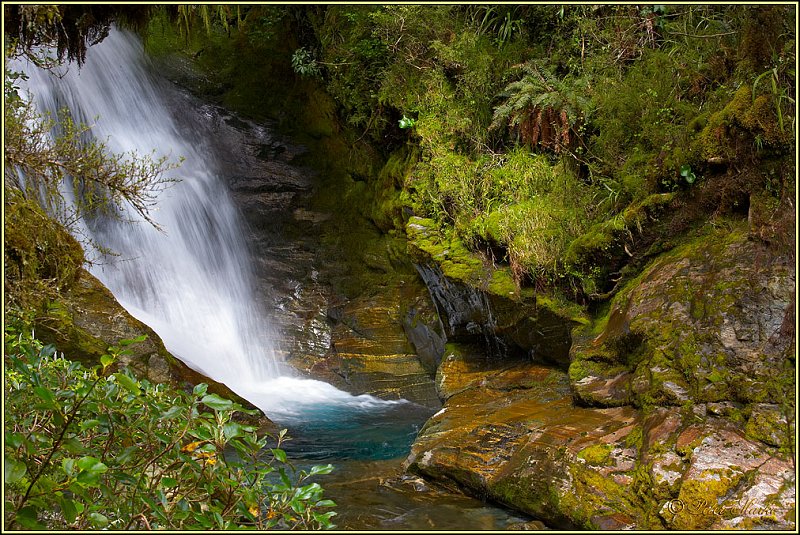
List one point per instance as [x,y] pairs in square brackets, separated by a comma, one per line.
[781,85]
[209,16]
[687,173]
[627,102]
[304,64]
[91,449]
[520,202]
[407,122]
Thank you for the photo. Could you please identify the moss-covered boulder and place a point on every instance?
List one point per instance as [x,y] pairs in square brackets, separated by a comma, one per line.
[710,321]
[510,433]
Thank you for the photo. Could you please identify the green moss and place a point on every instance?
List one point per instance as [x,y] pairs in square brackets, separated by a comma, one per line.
[635,438]
[742,116]
[701,496]
[603,243]
[597,454]
[40,257]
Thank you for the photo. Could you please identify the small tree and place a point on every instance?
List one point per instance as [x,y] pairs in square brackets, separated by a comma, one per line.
[40,165]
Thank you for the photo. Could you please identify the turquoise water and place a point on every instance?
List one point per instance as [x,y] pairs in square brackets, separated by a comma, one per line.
[368,443]
[345,432]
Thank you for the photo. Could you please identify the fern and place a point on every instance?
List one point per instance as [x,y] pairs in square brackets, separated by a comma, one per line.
[541,108]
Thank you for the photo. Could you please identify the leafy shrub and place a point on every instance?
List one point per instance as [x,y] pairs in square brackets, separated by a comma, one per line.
[90,449]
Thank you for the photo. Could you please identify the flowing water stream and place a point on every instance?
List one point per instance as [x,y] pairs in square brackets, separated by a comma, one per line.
[193,284]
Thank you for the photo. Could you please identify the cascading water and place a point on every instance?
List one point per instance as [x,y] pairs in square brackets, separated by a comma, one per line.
[192,283]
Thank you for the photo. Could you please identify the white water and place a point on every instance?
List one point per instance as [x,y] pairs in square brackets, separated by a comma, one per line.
[192,284]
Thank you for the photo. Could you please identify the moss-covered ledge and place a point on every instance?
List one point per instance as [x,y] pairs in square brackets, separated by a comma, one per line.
[476,298]
[710,321]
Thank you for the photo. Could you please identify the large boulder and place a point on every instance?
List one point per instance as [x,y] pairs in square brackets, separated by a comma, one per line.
[711,321]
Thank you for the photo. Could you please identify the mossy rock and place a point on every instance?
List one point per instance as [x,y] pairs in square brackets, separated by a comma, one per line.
[732,132]
[706,318]
[598,454]
[602,248]
[40,257]
[770,424]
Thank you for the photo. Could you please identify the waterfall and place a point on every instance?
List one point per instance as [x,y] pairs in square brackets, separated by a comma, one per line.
[191,283]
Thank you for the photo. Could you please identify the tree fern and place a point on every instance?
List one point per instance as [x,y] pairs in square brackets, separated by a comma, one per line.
[541,108]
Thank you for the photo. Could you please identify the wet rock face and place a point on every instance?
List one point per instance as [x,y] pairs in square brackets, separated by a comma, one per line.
[425,333]
[339,300]
[511,433]
[358,346]
[505,327]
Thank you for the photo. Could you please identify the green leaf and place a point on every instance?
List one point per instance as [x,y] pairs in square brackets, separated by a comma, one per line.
[98,519]
[200,390]
[306,492]
[27,517]
[90,470]
[685,170]
[90,464]
[15,440]
[89,424]
[13,470]
[201,519]
[279,454]
[202,433]
[45,395]
[126,455]
[284,478]
[106,360]
[231,430]
[326,503]
[68,509]
[297,506]
[169,482]
[68,465]
[216,402]
[321,469]
[406,122]
[127,383]
[172,412]
[130,341]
